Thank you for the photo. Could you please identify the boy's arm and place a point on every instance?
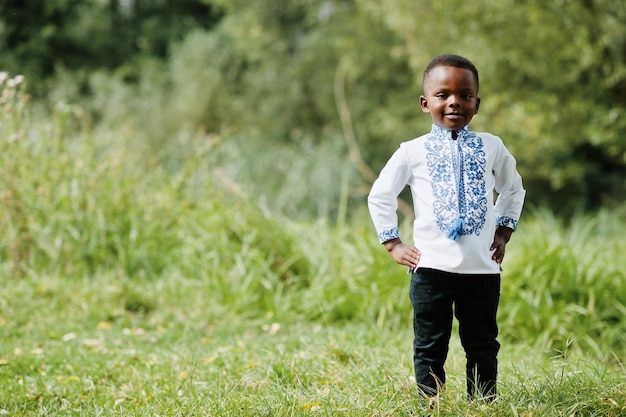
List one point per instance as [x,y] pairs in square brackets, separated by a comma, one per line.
[403,254]
[511,192]
[382,200]
[504,233]
[500,239]
[509,204]
[383,204]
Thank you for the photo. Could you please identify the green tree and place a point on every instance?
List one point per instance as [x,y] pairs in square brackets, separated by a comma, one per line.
[37,38]
[343,74]
[553,84]
[554,80]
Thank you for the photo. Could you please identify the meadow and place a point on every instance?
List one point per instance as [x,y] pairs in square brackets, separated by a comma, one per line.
[131,288]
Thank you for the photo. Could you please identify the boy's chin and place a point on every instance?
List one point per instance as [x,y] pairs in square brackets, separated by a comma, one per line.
[453,126]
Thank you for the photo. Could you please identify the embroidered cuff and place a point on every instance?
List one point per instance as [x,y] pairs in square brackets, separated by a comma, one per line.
[389,234]
[505,221]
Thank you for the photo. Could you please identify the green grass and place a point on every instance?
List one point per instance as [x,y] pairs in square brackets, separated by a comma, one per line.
[132,289]
[84,348]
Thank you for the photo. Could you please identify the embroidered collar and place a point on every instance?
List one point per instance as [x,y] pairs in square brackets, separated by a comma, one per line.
[440,132]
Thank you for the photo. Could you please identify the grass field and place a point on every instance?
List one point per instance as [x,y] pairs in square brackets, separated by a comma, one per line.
[133,290]
[114,347]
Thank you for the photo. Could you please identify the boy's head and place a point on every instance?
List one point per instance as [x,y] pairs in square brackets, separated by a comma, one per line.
[450,91]
[450,60]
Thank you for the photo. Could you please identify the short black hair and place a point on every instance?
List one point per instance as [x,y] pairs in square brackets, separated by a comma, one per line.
[450,60]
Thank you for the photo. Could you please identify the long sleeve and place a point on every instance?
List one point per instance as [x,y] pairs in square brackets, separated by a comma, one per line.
[511,192]
[383,197]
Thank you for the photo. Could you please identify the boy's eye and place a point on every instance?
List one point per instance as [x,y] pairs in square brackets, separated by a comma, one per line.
[441,95]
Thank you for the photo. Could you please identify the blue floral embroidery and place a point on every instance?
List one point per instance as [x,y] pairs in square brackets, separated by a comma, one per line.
[386,235]
[458,181]
[507,222]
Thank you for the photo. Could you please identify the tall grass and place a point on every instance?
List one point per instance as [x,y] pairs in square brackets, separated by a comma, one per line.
[564,283]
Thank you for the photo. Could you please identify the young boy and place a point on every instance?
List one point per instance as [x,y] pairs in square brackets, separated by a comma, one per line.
[459,233]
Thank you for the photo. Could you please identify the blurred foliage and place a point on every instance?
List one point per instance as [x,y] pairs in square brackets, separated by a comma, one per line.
[39,38]
[302,78]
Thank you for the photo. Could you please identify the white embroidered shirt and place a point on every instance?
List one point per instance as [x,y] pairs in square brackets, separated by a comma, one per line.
[452,185]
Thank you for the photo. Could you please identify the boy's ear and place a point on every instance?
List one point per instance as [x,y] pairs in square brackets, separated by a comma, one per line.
[424,104]
[477,104]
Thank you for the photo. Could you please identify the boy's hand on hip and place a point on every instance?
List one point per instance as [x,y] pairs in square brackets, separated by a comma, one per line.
[403,254]
[500,239]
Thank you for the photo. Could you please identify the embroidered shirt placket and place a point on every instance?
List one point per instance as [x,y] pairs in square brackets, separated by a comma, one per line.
[457,165]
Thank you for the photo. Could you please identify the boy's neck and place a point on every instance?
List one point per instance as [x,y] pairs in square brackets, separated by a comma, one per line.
[455,134]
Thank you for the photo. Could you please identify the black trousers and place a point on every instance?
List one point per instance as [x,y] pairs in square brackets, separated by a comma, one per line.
[473,299]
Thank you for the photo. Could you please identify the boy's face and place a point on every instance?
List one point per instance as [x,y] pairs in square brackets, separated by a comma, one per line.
[450,97]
